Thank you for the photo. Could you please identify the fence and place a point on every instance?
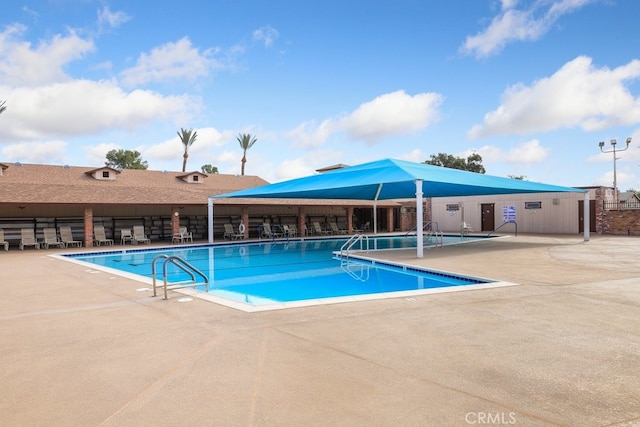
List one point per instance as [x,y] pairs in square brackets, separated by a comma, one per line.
[631,203]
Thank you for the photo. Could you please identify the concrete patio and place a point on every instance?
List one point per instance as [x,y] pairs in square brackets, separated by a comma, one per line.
[86,348]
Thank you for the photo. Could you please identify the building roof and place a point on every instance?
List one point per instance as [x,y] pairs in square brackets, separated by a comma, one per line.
[51,184]
[56,184]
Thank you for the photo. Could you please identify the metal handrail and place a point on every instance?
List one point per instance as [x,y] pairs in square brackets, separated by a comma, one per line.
[349,244]
[503,224]
[182,265]
[414,229]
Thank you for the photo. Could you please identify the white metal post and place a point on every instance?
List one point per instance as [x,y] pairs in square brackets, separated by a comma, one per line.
[419,221]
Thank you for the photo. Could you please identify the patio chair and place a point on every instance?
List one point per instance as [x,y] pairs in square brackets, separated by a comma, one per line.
[139,236]
[336,230]
[268,232]
[51,238]
[100,237]
[2,241]
[66,237]
[318,230]
[185,235]
[126,236]
[28,238]
[231,234]
[293,230]
[466,228]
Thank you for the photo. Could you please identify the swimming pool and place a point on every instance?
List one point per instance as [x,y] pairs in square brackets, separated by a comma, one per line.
[267,275]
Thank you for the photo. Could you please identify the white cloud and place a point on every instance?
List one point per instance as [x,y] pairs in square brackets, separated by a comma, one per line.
[97,154]
[107,18]
[513,24]
[578,94]
[304,165]
[50,152]
[307,135]
[24,65]
[416,155]
[86,107]
[526,152]
[172,148]
[179,60]
[266,35]
[391,114]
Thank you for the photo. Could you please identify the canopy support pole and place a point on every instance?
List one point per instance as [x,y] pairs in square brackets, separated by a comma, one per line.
[419,222]
[586,223]
[210,218]
[375,209]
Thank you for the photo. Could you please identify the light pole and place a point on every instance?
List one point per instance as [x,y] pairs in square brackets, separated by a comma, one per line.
[614,151]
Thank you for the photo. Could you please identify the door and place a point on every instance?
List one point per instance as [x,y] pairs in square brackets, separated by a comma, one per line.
[488,216]
[592,216]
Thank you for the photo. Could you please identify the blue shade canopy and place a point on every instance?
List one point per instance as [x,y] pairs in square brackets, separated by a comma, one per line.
[394,179]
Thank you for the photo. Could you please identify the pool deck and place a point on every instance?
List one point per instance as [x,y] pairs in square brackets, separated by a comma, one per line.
[88,348]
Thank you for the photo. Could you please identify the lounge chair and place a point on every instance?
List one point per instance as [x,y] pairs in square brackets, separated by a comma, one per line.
[318,230]
[182,236]
[66,236]
[2,241]
[336,230]
[268,233]
[293,230]
[126,236]
[28,238]
[139,236]
[231,234]
[51,238]
[100,236]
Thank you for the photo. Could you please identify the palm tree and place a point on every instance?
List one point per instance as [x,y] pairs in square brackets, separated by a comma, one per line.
[246,141]
[187,137]
[2,106]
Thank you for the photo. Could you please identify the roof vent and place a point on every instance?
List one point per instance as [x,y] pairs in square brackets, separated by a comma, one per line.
[17,164]
[67,167]
[165,172]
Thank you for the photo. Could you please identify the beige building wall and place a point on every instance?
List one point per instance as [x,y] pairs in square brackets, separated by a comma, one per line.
[558,212]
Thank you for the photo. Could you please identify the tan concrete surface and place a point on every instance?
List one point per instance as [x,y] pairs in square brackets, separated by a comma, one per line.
[85,348]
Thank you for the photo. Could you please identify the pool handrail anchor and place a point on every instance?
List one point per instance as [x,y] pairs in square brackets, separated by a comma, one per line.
[182,265]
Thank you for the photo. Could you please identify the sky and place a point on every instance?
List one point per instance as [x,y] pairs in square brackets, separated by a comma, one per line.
[531,85]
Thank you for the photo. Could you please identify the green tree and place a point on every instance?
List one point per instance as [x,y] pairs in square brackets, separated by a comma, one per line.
[246,141]
[2,106]
[125,159]
[187,137]
[519,177]
[473,163]
[210,169]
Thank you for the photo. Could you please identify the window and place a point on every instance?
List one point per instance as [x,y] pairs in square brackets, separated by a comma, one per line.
[105,174]
[533,205]
[453,207]
[195,178]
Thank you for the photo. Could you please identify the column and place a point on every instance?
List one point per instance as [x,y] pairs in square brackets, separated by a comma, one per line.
[88,227]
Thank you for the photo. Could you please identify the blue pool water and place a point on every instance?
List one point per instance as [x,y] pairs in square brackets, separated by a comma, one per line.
[281,272]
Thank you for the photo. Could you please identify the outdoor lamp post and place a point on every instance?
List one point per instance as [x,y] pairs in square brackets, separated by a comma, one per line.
[614,151]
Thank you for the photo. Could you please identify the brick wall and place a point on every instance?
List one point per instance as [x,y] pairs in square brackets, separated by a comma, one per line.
[621,223]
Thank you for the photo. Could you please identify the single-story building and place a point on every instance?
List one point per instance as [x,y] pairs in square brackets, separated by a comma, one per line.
[42,196]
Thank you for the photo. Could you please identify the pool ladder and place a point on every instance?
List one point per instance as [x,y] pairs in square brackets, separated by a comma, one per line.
[182,265]
[354,240]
